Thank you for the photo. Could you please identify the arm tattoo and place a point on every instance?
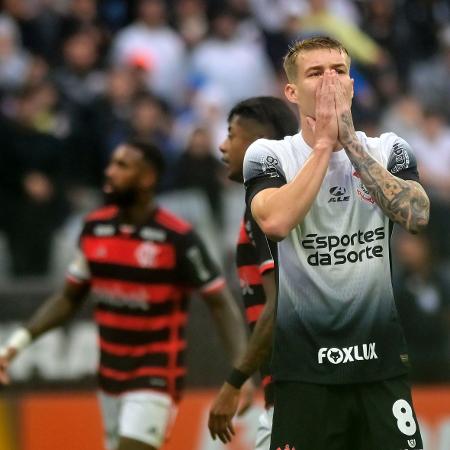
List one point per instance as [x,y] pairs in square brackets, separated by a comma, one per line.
[404,202]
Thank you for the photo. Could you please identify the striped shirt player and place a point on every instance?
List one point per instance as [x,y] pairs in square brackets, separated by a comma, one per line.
[249,120]
[139,280]
[140,263]
[255,256]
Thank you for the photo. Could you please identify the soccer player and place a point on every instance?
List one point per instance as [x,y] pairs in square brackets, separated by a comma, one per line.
[330,195]
[254,118]
[139,263]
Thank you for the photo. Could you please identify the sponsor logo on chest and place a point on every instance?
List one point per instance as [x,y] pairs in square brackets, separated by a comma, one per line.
[346,355]
[338,195]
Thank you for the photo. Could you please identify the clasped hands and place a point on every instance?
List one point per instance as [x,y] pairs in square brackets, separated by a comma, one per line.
[333,123]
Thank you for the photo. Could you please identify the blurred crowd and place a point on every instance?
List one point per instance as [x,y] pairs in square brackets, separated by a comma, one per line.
[77,77]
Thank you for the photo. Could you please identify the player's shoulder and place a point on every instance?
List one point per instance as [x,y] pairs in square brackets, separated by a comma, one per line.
[171,222]
[270,145]
[104,213]
[385,141]
[388,148]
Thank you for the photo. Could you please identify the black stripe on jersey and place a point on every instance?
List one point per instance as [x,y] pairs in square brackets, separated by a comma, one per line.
[128,337]
[257,298]
[146,382]
[246,255]
[154,310]
[131,363]
[408,174]
[181,358]
[134,274]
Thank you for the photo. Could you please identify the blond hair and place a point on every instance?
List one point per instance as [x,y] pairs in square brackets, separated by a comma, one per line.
[314,43]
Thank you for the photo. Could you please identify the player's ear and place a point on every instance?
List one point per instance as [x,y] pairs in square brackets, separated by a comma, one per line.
[149,178]
[290,91]
[353,86]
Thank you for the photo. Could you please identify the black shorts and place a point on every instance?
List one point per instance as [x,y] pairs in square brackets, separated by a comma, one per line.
[367,416]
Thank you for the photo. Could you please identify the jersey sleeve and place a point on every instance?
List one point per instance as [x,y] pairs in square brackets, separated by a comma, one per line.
[401,161]
[197,269]
[265,250]
[78,271]
[262,169]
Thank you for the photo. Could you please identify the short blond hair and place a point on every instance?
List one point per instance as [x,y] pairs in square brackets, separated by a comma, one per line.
[314,43]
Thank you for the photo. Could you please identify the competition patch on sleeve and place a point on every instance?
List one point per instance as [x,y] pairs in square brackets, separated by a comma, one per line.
[401,157]
[270,166]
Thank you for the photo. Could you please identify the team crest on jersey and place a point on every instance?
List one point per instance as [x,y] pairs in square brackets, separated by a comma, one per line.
[362,191]
[146,254]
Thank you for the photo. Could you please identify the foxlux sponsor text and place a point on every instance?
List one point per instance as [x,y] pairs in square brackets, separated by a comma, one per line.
[339,249]
[345,355]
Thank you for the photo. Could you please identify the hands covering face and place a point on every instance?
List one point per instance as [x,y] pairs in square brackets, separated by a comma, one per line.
[333,122]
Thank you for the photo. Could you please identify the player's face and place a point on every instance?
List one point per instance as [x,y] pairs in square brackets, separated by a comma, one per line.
[124,176]
[233,148]
[311,66]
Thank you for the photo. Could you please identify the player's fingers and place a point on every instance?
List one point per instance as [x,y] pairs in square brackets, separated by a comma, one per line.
[224,432]
[231,427]
[311,123]
[211,427]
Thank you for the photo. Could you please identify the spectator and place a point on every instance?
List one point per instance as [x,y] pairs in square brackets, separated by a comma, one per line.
[30,186]
[198,168]
[424,309]
[14,60]
[79,79]
[431,143]
[320,19]
[151,120]
[191,21]
[384,22]
[235,65]
[149,42]
[430,80]
[112,112]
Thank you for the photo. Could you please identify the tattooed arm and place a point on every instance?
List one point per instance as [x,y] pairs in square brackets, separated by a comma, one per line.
[403,201]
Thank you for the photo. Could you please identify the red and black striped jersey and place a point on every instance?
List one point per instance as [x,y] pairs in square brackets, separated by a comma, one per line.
[140,278]
[255,255]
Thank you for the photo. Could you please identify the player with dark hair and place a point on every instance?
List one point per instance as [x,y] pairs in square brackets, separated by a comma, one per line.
[249,120]
[139,263]
[330,195]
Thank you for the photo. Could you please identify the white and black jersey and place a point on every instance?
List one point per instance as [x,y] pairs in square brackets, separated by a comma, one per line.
[336,317]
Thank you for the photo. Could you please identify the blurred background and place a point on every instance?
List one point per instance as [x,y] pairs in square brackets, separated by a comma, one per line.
[77,77]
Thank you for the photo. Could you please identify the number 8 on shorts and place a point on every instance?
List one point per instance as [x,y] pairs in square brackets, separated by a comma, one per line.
[405,420]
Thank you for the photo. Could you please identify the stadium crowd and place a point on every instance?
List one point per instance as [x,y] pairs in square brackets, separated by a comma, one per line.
[77,77]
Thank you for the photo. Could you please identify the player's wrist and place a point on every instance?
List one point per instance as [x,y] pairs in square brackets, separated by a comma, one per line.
[18,341]
[237,378]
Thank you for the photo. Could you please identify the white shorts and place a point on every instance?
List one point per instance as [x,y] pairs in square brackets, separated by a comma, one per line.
[145,416]
[264,430]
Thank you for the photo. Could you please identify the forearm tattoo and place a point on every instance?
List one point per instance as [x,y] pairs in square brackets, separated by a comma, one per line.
[404,202]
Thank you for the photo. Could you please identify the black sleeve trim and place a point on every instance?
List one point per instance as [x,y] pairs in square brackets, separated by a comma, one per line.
[258,184]
[411,173]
